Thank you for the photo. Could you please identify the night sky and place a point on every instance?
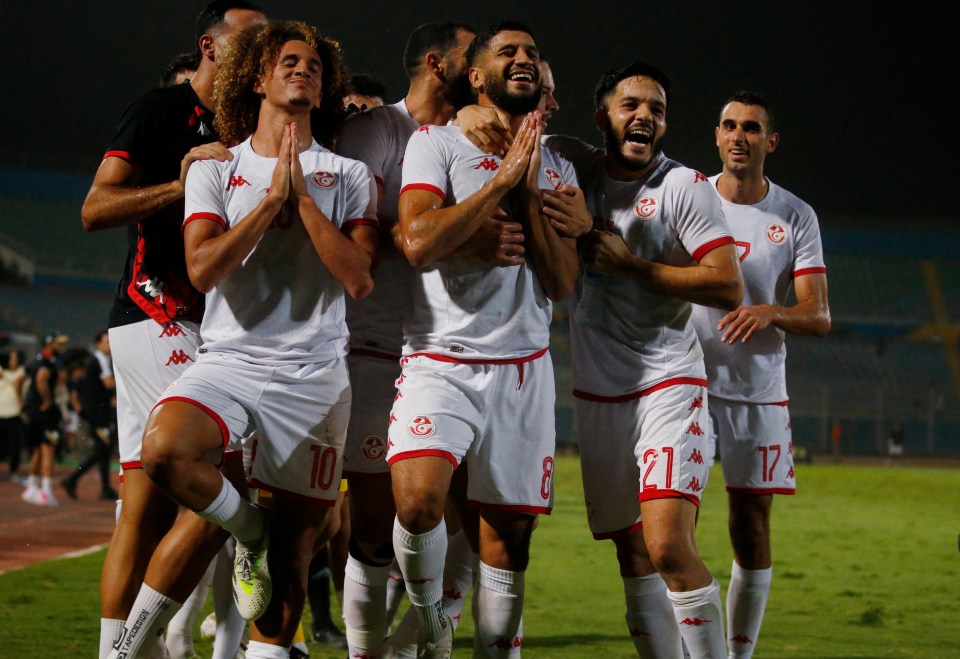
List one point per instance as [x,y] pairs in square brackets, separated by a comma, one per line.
[859,90]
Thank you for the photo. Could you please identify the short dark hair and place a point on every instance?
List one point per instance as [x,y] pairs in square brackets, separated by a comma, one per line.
[609,80]
[747,97]
[427,37]
[366,84]
[487,34]
[181,62]
[212,15]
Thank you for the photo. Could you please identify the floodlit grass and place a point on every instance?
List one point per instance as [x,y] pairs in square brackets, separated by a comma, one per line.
[865,565]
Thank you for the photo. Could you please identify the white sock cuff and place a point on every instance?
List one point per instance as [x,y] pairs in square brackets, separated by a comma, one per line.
[643,586]
[152,598]
[695,597]
[506,582]
[258,650]
[224,506]
[752,577]
[367,575]
[414,541]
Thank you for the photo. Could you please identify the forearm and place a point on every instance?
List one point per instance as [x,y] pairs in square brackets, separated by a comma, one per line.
[806,318]
[350,263]
[553,258]
[209,261]
[698,284]
[109,206]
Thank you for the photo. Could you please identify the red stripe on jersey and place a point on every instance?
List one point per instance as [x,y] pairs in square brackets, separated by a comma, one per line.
[324,503]
[366,352]
[423,453]
[672,382]
[809,271]
[762,490]
[457,360]
[712,245]
[425,186]
[136,464]
[224,433]
[213,217]
[510,508]
[651,494]
[124,155]
[620,533]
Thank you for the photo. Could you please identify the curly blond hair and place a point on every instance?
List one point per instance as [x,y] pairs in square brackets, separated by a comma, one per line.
[250,56]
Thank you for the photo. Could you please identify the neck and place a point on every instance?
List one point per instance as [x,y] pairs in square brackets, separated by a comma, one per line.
[747,190]
[202,82]
[269,133]
[426,105]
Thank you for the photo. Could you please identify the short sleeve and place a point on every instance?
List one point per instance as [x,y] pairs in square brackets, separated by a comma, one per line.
[425,163]
[203,196]
[701,224]
[360,197]
[808,253]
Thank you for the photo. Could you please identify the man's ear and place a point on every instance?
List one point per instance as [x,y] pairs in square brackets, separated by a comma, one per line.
[434,64]
[772,142]
[475,77]
[601,119]
[206,47]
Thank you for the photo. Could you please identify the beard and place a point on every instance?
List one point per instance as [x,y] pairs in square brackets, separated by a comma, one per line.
[495,86]
[457,90]
[613,143]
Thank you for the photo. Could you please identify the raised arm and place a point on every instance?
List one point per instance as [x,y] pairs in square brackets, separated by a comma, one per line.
[715,281]
[115,200]
[810,315]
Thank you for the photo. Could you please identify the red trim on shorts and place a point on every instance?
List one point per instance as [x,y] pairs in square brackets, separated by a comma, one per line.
[123,155]
[213,217]
[359,222]
[136,464]
[819,270]
[621,533]
[702,251]
[224,432]
[510,508]
[782,403]
[671,382]
[423,453]
[367,352]
[426,187]
[272,489]
[457,360]
[650,495]
[762,490]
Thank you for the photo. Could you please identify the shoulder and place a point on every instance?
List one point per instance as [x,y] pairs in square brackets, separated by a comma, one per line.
[791,203]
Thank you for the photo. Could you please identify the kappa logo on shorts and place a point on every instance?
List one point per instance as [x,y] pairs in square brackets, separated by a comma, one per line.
[646,208]
[323,179]
[171,330]
[695,486]
[697,404]
[373,448]
[790,473]
[790,448]
[694,429]
[178,357]
[554,177]
[776,234]
[696,457]
[421,427]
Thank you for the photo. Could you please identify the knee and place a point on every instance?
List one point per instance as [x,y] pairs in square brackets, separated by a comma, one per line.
[159,454]
[670,555]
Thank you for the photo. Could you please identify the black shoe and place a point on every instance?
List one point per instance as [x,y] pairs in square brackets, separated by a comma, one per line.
[109,494]
[329,635]
[70,485]
[297,653]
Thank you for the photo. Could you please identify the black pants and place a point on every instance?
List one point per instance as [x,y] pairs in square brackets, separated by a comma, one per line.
[11,441]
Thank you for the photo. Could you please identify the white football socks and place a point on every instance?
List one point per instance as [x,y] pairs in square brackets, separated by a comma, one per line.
[500,609]
[421,558]
[700,616]
[746,602]
[238,516]
[150,614]
[364,611]
[653,629]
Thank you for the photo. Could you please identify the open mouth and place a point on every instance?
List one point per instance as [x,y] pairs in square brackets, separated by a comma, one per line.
[638,137]
[523,76]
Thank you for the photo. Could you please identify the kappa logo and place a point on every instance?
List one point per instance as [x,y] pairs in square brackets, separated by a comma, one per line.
[790,473]
[646,208]
[424,129]
[696,457]
[694,429]
[740,638]
[452,594]
[178,357]
[373,448]
[695,486]
[421,427]
[698,177]
[776,234]
[392,419]
[488,164]
[554,177]
[324,179]
[697,404]
[743,250]
[636,632]
[696,622]
[503,644]
[237,181]
[152,287]
[171,330]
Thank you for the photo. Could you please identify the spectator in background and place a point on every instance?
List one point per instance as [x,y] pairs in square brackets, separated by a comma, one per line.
[12,376]
[43,420]
[180,70]
[95,396]
[365,92]
[895,441]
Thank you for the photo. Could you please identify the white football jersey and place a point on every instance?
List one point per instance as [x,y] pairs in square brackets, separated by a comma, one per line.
[778,239]
[378,137]
[462,307]
[281,305]
[625,337]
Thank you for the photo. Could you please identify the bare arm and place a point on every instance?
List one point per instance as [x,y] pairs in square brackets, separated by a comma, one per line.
[430,231]
[810,315]
[114,200]
[716,281]
[488,128]
[44,388]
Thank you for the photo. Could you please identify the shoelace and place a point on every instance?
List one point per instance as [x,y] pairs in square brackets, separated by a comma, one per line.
[244,557]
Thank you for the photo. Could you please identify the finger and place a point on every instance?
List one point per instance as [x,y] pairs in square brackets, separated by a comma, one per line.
[511,227]
[498,213]
[750,332]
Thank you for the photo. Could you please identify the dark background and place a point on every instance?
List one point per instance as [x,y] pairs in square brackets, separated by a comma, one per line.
[860,91]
